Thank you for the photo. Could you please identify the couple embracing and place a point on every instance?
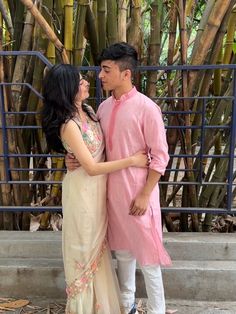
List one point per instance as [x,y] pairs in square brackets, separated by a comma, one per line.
[120,212]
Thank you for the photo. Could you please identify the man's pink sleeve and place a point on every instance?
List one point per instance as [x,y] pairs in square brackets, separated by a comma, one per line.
[155,137]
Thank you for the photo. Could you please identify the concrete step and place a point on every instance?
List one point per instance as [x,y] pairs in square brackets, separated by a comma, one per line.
[201,246]
[197,280]
[25,244]
[31,265]
[192,280]
[201,280]
[181,246]
[30,277]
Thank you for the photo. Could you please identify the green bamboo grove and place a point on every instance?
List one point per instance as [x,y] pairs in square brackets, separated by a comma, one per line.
[164,33]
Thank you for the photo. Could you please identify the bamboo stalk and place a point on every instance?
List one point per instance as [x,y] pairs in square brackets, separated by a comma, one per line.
[68,36]
[209,197]
[154,45]
[42,43]
[230,37]
[95,12]
[18,24]
[102,19]
[190,5]
[21,61]
[217,75]
[7,18]
[172,135]
[92,34]
[202,25]
[12,8]
[57,176]
[59,21]
[122,19]
[188,148]
[79,40]
[47,29]
[134,27]
[7,198]
[206,81]
[112,30]
[51,53]
[172,34]
[215,19]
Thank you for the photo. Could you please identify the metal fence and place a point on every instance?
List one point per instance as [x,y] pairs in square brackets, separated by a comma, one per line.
[201,157]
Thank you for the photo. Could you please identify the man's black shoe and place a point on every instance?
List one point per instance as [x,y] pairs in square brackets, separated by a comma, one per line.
[133,310]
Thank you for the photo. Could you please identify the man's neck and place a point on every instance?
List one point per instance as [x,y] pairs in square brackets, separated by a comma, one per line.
[118,92]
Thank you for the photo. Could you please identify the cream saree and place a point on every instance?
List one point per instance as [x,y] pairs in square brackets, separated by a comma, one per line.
[90,280]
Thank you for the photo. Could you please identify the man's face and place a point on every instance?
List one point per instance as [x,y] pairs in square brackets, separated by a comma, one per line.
[111,76]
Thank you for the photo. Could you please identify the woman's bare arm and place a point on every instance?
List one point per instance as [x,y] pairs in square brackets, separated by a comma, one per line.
[71,134]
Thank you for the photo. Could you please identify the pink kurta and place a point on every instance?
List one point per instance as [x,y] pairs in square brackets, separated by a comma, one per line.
[131,124]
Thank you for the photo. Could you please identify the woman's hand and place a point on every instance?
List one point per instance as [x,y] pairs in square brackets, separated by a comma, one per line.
[140,159]
[71,162]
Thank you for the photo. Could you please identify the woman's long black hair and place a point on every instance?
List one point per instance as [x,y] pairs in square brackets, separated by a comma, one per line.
[60,86]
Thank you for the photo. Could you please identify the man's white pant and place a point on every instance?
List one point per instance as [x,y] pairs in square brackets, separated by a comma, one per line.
[126,267]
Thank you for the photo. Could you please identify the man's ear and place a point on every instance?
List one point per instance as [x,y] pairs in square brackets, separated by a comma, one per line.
[127,74]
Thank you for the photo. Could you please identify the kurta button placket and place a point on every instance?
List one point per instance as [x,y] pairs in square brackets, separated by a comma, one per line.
[111,126]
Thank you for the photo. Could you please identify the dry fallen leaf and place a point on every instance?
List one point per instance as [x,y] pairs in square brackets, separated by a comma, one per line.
[14,304]
[6,309]
[171,311]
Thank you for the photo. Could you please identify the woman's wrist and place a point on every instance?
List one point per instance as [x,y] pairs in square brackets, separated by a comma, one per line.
[132,161]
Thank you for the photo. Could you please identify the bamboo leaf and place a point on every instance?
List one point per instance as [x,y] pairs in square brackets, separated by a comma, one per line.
[234,48]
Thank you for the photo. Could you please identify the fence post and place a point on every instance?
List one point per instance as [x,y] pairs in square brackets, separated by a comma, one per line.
[4,134]
[232,147]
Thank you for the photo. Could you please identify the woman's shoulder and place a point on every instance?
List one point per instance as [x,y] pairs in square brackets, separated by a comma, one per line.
[70,124]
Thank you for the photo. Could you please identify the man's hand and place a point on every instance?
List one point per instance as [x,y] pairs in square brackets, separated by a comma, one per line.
[71,162]
[139,205]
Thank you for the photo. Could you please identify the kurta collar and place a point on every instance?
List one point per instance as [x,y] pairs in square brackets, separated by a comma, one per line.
[126,96]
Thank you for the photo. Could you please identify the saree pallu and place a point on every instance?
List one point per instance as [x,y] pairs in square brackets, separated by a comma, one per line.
[91,284]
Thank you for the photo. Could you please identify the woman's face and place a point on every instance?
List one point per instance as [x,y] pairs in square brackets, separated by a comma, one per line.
[83,92]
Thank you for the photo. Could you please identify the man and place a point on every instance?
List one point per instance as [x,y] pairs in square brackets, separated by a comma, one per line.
[131,122]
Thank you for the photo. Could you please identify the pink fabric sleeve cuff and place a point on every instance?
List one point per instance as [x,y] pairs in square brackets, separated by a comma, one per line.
[158,166]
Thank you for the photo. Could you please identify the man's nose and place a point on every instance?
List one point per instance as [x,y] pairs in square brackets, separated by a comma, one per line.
[100,75]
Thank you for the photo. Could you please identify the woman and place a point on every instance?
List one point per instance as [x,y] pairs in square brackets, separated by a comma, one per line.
[72,125]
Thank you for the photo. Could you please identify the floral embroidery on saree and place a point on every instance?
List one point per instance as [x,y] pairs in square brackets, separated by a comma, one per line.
[81,283]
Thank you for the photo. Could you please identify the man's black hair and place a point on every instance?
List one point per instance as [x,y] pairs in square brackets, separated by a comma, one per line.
[124,54]
[60,87]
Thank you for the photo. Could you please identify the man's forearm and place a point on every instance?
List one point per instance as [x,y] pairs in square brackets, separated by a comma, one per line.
[152,179]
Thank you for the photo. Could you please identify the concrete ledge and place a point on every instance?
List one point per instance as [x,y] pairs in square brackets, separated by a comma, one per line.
[30,278]
[192,280]
[204,266]
[196,280]
[201,246]
[25,244]
[201,280]
[181,246]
